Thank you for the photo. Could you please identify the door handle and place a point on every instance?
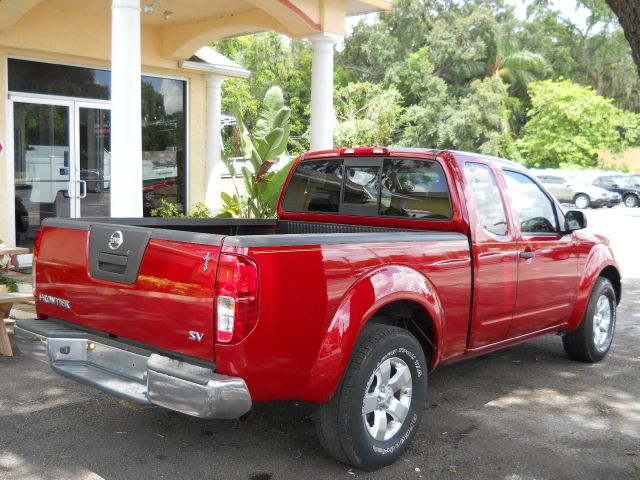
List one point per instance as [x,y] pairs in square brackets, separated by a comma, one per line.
[527,254]
[83,188]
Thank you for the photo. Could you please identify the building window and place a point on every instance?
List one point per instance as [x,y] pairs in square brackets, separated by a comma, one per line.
[163,142]
[163,121]
[64,80]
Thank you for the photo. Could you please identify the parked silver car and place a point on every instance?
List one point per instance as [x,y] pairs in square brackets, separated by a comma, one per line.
[569,189]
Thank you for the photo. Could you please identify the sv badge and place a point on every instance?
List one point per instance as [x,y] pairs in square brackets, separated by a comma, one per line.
[195,336]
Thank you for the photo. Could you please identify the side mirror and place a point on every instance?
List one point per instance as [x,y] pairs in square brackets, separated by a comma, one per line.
[615,185]
[574,220]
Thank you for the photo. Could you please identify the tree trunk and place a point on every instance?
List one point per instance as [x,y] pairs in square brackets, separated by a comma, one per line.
[628,12]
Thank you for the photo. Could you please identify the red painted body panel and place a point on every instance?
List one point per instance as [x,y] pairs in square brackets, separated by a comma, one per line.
[300,345]
[171,296]
[546,283]
[313,300]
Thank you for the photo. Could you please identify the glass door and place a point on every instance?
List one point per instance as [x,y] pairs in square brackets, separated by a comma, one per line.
[62,161]
[43,166]
[93,172]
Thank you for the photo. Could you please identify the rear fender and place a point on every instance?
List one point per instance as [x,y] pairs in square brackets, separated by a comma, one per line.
[369,295]
[599,258]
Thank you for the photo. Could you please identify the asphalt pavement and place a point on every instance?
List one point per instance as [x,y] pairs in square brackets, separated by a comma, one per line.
[524,413]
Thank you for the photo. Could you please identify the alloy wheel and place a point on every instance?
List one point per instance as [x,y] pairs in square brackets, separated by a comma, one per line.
[602,322]
[582,201]
[630,201]
[387,399]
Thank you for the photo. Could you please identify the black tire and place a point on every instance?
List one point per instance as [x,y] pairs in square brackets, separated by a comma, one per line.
[581,344]
[582,201]
[341,425]
[630,200]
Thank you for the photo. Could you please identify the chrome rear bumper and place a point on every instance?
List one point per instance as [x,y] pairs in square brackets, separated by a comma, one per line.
[132,373]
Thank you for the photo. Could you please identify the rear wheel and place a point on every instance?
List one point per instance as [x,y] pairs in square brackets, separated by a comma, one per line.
[582,201]
[630,201]
[592,340]
[376,410]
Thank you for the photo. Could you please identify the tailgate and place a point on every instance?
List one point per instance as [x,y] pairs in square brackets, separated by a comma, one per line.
[151,286]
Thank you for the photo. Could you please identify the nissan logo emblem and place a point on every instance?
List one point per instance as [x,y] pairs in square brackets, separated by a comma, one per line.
[115,240]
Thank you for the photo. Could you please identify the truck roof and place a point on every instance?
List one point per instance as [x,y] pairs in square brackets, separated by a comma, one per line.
[399,151]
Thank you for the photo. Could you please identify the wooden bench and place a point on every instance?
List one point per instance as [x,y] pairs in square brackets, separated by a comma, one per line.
[6,300]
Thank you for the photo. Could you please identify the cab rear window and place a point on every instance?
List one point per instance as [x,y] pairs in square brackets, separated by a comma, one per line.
[388,187]
[315,187]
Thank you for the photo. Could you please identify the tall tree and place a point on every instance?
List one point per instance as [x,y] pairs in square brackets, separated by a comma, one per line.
[628,12]
[592,51]
[367,114]
[273,60]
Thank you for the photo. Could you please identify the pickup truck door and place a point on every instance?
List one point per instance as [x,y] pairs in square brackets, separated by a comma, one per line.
[495,257]
[547,263]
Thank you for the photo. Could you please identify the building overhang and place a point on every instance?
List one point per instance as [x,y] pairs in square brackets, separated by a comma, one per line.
[189,25]
[209,61]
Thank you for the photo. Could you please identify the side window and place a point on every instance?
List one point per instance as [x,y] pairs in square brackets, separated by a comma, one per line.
[536,212]
[487,195]
[557,180]
[315,187]
[414,189]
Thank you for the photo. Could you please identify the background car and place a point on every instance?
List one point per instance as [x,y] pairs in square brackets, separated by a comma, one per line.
[623,185]
[569,189]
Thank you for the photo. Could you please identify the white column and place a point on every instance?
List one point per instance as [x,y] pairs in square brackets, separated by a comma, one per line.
[213,143]
[126,123]
[322,91]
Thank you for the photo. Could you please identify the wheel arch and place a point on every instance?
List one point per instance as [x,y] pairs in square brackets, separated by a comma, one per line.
[416,319]
[600,263]
[612,274]
[394,295]
[584,194]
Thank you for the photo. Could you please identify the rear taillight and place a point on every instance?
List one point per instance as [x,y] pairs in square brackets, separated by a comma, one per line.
[237,298]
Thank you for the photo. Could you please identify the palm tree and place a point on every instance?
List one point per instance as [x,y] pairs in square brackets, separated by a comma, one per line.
[518,69]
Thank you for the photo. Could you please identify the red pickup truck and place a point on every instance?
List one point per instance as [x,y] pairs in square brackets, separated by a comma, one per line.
[382,265]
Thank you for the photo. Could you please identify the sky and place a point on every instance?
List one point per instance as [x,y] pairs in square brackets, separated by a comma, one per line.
[567,7]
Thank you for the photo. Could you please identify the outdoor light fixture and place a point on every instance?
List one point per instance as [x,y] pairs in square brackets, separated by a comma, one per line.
[150,8]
